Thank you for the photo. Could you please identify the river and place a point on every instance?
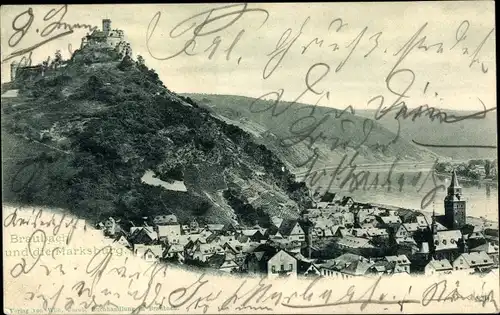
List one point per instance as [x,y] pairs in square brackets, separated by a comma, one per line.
[481,198]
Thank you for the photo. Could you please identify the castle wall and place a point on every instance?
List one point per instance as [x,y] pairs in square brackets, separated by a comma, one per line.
[113,41]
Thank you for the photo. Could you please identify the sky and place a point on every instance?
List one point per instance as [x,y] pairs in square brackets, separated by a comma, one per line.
[277,35]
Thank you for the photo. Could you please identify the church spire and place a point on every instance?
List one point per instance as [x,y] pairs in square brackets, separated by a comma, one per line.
[454,181]
[434,225]
[454,205]
[454,190]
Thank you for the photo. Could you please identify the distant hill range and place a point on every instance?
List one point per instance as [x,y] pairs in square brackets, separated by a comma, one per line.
[378,146]
[481,131]
[340,134]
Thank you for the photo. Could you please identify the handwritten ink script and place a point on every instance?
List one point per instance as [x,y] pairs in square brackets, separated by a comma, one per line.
[56,263]
[345,52]
[53,26]
[111,278]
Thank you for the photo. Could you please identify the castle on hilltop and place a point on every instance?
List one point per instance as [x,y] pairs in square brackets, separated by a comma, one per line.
[106,38]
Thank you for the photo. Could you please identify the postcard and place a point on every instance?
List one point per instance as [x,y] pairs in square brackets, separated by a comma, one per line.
[250,158]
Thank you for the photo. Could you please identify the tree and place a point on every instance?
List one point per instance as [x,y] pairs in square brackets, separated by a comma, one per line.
[57,59]
[487,167]
[126,63]
[140,60]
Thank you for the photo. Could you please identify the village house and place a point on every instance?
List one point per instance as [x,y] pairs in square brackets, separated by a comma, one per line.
[354,244]
[376,232]
[329,269]
[357,268]
[191,246]
[222,263]
[445,244]
[382,268]
[112,227]
[215,227]
[391,221]
[411,228]
[338,231]
[363,213]
[174,252]
[407,215]
[292,231]
[368,222]
[318,232]
[201,252]
[406,246]
[490,249]
[401,263]
[184,239]
[143,235]
[230,229]
[149,253]
[289,246]
[258,237]
[438,267]
[307,269]
[357,232]
[256,260]
[311,214]
[276,221]
[205,233]
[169,232]
[273,233]
[401,232]
[471,262]
[234,251]
[326,200]
[165,219]
[122,240]
[249,232]
[194,227]
[282,264]
[347,202]
[346,266]
[422,223]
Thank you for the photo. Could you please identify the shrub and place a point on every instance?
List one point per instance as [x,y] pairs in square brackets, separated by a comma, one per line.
[126,64]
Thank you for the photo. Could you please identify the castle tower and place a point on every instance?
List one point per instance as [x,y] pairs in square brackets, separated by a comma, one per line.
[13,70]
[106,26]
[454,205]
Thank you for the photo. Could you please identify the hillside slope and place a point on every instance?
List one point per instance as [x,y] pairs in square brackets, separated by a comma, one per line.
[340,133]
[83,137]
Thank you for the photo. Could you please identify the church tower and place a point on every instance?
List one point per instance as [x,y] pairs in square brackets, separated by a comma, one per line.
[454,205]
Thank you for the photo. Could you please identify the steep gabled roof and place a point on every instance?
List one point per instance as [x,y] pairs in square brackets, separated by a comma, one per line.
[475,259]
[489,248]
[354,242]
[358,268]
[345,200]
[411,227]
[216,260]
[401,259]
[303,266]
[440,265]
[346,258]
[287,227]
[327,197]
[447,239]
